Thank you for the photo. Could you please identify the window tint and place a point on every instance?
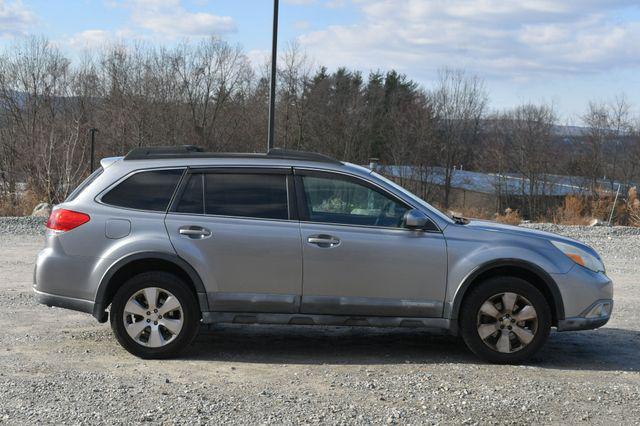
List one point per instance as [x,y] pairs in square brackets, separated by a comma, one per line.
[246,195]
[85,183]
[334,200]
[192,198]
[145,190]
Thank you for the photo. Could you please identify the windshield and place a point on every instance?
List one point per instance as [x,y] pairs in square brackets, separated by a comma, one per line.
[412,196]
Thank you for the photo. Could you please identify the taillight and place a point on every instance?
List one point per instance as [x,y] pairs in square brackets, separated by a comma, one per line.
[66,220]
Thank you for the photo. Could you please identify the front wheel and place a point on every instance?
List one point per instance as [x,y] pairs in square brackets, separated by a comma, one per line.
[155,315]
[505,320]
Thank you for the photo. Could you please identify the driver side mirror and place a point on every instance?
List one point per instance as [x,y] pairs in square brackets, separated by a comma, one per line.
[415,219]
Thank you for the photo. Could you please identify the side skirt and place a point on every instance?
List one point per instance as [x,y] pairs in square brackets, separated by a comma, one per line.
[439,324]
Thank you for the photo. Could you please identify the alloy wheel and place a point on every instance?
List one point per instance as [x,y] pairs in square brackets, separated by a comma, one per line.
[507,322]
[153,317]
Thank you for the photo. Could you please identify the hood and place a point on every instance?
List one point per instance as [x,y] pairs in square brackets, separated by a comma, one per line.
[486,225]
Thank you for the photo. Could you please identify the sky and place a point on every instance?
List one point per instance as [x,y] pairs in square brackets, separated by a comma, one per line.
[564,52]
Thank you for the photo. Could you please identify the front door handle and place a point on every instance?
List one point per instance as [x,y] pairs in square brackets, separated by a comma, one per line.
[195,232]
[324,241]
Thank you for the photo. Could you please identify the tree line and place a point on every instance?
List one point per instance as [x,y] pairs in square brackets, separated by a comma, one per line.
[207,93]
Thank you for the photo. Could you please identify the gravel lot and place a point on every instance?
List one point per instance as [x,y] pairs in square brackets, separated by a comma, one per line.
[62,367]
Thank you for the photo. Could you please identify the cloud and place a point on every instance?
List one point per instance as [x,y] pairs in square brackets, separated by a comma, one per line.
[301,2]
[96,38]
[326,3]
[302,25]
[492,37]
[169,19]
[15,19]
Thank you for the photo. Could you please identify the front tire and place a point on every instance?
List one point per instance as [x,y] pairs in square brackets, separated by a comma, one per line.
[505,320]
[155,315]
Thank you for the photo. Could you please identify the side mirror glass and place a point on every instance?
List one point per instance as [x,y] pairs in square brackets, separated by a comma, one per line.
[415,219]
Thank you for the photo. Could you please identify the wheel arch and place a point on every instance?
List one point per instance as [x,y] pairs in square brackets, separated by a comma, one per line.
[140,262]
[518,268]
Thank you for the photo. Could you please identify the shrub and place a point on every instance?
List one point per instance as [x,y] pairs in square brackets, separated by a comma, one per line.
[510,217]
[574,211]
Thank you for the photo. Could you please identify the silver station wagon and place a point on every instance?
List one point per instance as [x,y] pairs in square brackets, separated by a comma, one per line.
[165,239]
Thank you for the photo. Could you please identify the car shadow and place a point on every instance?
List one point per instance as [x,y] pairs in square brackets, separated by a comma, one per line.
[606,349]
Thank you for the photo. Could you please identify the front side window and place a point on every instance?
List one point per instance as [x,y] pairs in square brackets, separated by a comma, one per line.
[150,190]
[343,201]
[262,196]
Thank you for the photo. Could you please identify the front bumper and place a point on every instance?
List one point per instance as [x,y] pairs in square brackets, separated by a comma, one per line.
[583,291]
[595,316]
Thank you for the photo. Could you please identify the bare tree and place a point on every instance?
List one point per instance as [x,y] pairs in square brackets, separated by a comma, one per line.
[209,76]
[532,153]
[294,77]
[460,102]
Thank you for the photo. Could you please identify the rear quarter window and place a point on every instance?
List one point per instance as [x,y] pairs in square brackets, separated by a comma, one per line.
[150,190]
[85,183]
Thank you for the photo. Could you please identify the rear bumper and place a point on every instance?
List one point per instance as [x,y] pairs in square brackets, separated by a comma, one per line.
[65,302]
[65,281]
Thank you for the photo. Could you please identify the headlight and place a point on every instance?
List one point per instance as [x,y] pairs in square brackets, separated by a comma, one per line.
[580,256]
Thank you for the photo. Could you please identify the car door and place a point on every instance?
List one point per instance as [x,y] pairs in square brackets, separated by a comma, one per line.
[358,258]
[235,227]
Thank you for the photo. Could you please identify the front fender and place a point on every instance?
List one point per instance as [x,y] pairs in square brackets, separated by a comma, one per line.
[452,309]
[472,252]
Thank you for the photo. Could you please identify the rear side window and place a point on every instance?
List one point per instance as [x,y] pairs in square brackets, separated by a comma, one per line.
[262,196]
[150,190]
[192,200]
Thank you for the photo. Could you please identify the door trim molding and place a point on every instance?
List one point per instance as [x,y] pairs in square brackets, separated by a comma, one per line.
[254,302]
[373,306]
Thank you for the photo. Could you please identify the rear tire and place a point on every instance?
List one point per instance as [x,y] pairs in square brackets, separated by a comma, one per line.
[505,320]
[155,315]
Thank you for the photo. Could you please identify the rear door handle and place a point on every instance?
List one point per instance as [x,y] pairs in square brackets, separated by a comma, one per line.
[195,232]
[324,241]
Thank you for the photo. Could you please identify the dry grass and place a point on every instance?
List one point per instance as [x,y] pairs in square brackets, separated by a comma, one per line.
[21,205]
[509,217]
[574,211]
[633,207]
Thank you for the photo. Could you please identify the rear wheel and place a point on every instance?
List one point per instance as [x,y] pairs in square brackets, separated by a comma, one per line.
[505,320]
[155,315]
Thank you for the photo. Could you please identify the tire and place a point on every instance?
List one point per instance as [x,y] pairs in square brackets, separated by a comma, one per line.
[512,341]
[146,333]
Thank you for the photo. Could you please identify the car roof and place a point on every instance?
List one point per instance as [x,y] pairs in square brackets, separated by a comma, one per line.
[192,152]
[192,156]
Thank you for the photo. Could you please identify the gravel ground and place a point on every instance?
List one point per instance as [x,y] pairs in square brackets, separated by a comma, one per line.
[28,225]
[61,367]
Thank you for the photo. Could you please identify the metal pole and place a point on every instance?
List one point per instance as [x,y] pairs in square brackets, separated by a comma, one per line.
[274,69]
[93,149]
[613,209]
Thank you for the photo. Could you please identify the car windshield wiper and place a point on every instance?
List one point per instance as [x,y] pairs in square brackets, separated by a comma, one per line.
[460,220]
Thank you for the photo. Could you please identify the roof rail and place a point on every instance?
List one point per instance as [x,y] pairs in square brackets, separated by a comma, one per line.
[146,153]
[301,155]
[191,151]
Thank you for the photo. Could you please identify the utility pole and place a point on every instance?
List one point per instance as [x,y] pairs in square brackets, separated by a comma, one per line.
[274,70]
[93,148]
